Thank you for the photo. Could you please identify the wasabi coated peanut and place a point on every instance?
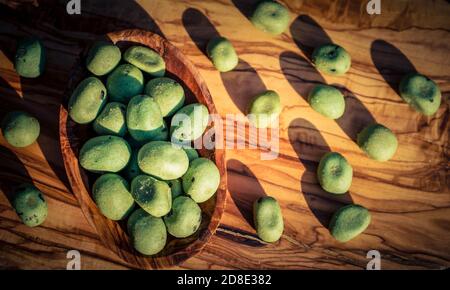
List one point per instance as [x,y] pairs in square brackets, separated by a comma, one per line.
[167,93]
[189,123]
[268,219]
[148,233]
[102,58]
[421,93]
[191,153]
[176,187]
[222,54]
[112,195]
[146,59]
[30,58]
[125,82]
[378,142]
[331,59]
[20,129]
[184,219]
[163,160]
[144,118]
[111,120]
[348,222]
[270,16]
[153,195]
[87,100]
[132,169]
[105,154]
[264,109]
[201,180]
[334,173]
[30,205]
[327,100]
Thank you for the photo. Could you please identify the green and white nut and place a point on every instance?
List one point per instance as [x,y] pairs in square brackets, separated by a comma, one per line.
[201,179]
[153,195]
[30,205]
[268,219]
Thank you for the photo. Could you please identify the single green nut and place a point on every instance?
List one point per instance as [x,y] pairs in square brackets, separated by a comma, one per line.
[148,233]
[264,109]
[331,59]
[184,219]
[30,58]
[132,169]
[334,173]
[87,100]
[268,219]
[201,180]
[379,142]
[30,205]
[146,59]
[176,187]
[125,82]
[191,153]
[112,195]
[102,58]
[270,16]
[105,154]
[189,123]
[421,93]
[163,160]
[327,100]
[167,93]
[348,222]
[222,54]
[111,120]
[20,129]
[144,118]
[153,195]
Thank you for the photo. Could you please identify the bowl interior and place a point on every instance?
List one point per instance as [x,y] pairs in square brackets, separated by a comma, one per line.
[74,135]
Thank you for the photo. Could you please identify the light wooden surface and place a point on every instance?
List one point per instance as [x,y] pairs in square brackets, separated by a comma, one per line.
[408,196]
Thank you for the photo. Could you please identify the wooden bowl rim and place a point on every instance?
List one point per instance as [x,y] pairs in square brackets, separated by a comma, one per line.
[74,173]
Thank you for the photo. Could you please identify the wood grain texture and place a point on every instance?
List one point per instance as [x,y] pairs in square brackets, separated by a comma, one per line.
[408,197]
[73,136]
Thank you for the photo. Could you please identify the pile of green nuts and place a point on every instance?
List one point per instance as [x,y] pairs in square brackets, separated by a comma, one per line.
[135,154]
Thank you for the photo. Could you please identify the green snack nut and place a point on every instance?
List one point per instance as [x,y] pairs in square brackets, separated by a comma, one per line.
[348,222]
[379,142]
[331,59]
[167,93]
[125,82]
[146,59]
[201,180]
[87,100]
[222,54]
[102,58]
[111,120]
[334,173]
[176,187]
[191,153]
[163,160]
[264,109]
[132,169]
[30,58]
[105,154]
[327,100]
[153,195]
[184,219]
[268,219]
[148,233]
[421,93]
[112,196]
[189,123]
[270,16]
[144,119]
[30,205]
[20,129]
